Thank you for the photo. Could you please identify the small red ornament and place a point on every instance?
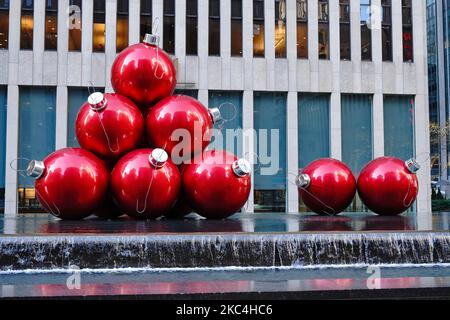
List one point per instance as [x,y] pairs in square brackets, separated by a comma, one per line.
[327,186]
[389,186]
[145,183]
[70,183]
[217,184]
[109,125]
[181,121]
[144,73]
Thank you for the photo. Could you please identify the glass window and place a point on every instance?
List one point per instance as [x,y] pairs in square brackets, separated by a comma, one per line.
[408,53]
[344,25]
[214,27]
[3,102]
[302,29]
[280,28]
[313,127]
[146,18]
[4,23]
[187,92]
[236,28]
[122,25]
[98,35]
[357,142]
[169,26]
[76,98]
[26,25]
[51,25]
[270,172]
[258,28]
[366,32]
[230,104]
[399,126]
[324,31]
[75,10]
[192,27]
[37,116]
[387,30]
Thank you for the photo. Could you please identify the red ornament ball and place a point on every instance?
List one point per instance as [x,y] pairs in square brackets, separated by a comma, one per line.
[70,183]
[144,73]
[217,184]
[389,186]
[145,183]
[181,125]
[109,125]
[327,186]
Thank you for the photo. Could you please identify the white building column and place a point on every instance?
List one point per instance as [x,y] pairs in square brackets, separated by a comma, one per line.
[397,44]
[157,16]
[225,42]
[249,140]
[424,214]
[61,117]
[63,41]
[87,20]
[12,143]
[247,43]
[134,19]
[38,41]
[180,39]
[313,44]
[110,41]
[269,42]
[203,50]
[355,36]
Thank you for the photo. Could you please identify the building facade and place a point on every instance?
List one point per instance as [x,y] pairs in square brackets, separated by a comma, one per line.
[438,24]
[336,78]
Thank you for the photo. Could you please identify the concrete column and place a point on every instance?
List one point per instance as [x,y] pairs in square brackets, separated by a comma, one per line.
[61,117]
[225,42]
[397,43]
[180,39]
[269,42]
[38,41]
[110,41]
[424,215]
[134,19]
[335,103]
[249,140]
[378,124]
[14,41]
[63,41]
[313,43]
[157,16]
[87,20]
[12,142]
[203,48]
[355,36]
[247,43]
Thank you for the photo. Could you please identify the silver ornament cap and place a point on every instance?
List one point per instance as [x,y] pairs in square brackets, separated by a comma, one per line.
[158,158]
[303,181]
[241,168]
[215,114]
[151,39]
[412,165]
[97,101]
[35,169]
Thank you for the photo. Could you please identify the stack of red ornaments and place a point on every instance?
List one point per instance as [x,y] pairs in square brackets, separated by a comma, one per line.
[142,151]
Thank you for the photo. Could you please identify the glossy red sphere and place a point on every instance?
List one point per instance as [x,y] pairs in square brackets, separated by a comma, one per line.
[331,188]
[142,190]
[112,131]
[73,184]
[387,187]
[144,73]
[181,125]
[212,187]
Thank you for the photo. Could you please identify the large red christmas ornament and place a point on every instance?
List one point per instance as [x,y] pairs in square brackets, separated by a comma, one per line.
[217,184]
[388,186]
[327,186]
[70,183]
[145,183]
[180,121]
[144,73]
[109,125]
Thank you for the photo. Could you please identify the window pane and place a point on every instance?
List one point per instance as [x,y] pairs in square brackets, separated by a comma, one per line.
[75,10]
[387,30]
[399,126]
[314,127]
[122,25]
[302,29]
[169,26]
[280,29]
[324,32]
[26,25]
[230,137]
[76,98]
[366,33]
[99,26]
[236,28]
[258,28]
[344,19]
[51,25]
[37,107]
[408,52]
[214,27]
[3,110]
[270,179]
[192,27]
[146,18]
[4,23]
